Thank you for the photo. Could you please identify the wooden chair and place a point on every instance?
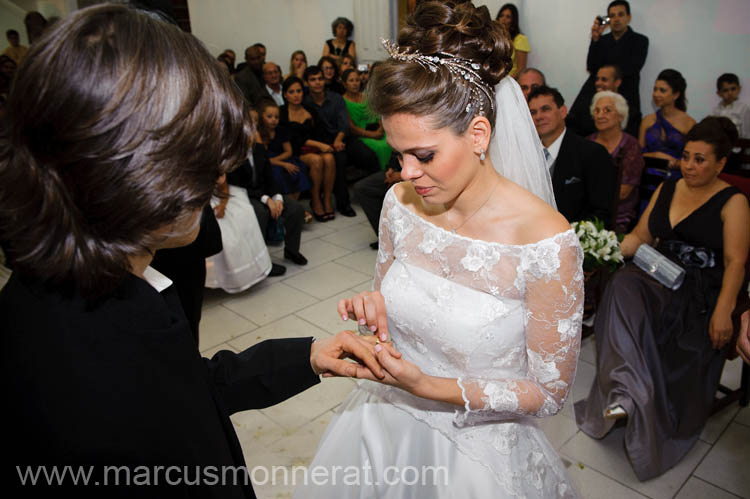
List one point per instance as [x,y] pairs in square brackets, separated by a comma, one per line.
[741,394]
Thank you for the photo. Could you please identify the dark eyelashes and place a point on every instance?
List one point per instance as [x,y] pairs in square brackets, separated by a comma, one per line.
[421,159]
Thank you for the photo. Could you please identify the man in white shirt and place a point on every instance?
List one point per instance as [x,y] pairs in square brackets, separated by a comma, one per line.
[728,88]
[272,80]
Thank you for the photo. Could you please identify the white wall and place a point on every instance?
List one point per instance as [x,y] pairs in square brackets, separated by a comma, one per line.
[700,38]
[283,26]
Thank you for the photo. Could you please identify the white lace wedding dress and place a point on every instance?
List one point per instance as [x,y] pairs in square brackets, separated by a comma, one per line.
[505,321]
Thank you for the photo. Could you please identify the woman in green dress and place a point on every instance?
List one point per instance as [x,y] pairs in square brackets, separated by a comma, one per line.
[362,122]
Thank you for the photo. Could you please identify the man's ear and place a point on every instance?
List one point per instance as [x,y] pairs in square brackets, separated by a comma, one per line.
[564,111]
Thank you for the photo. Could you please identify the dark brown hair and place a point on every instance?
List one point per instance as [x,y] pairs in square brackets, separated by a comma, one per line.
[462,30]
[119,126]
[717,131]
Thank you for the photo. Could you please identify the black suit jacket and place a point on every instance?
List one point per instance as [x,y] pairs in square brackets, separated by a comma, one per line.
[629,54]
[257,179]
[120,382]
[584,179]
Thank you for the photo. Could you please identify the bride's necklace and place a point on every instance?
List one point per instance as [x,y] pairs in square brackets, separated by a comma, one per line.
[477,210]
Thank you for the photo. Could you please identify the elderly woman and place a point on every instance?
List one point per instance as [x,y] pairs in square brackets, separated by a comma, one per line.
[341,43]
[660,352]
[610,113]
[120,128]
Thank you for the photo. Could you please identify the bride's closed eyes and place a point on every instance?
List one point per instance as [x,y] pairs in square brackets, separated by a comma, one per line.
[423,158]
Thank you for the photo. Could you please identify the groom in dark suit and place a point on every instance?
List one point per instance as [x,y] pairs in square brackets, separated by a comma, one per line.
[584,178]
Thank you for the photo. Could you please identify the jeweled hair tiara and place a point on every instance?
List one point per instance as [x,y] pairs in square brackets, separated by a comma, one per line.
[464,69]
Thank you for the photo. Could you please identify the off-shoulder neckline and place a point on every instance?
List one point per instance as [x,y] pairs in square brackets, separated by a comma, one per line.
[391,192]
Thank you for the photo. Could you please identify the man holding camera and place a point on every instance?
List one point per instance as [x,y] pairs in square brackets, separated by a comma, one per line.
[621,47]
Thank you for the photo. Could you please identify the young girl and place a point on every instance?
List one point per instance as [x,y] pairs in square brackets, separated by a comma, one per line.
[289,172]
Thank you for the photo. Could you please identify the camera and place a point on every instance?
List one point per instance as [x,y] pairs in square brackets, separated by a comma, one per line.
[603,20]
[362,68]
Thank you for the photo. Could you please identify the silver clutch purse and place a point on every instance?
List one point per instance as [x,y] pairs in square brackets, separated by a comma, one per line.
[659,266]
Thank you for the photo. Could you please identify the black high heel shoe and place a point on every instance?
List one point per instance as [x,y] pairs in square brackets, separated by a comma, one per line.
[319,218]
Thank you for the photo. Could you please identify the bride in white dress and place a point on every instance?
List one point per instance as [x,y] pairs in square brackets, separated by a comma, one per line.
[480,280]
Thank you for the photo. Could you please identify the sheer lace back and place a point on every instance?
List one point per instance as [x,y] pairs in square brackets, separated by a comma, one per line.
[503,319]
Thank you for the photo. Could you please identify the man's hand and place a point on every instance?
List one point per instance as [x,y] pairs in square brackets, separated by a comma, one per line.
[743,342]
[276,208]
[338,145]
[597,29]
[327,356]
[219,210]
[392,176]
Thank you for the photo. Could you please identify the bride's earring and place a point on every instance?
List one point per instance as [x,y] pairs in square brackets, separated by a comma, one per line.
[481,155]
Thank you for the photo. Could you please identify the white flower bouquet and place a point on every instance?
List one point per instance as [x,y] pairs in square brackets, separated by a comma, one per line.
[601,247]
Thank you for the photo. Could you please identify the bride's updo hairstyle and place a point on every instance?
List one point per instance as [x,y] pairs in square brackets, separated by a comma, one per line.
[119,126]
[462,30]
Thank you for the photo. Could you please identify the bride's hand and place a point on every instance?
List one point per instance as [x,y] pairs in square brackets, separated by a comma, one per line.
[398,372]
[368,309]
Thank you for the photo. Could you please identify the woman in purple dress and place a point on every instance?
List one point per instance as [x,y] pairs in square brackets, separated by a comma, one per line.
[610,113]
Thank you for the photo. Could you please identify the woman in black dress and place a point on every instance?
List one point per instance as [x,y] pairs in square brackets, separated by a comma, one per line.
[660,352]
[340,44]
[300,123]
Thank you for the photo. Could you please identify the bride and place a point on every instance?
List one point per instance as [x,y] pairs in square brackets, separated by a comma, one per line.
[481,280]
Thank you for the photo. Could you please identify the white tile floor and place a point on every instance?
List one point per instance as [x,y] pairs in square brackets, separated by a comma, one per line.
[303,303]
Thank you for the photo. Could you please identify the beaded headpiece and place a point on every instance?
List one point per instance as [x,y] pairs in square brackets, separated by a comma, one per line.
[464,69]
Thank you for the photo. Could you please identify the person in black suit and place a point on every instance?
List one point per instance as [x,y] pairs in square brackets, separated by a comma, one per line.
[99,367]
[621,47]
[186,267]
[254,174]
[584,178]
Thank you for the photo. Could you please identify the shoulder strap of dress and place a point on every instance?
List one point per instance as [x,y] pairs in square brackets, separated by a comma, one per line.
[346,47]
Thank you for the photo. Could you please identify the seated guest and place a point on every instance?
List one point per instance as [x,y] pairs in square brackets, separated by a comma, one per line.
[254,175]
[347,63]
[340,44]
[610,113]
[297,64]
[244,259]
[318,156]
[371,190]
[272,81]
[330,70]
[15,50]
[583,175]
[7,72]
[364,126]
[662,134]
[508,17]
[529,79]
[608,77]
[660,352]
[225,61]
[232,58]
[289,172]
[334,126]
[246,78]
[728,89]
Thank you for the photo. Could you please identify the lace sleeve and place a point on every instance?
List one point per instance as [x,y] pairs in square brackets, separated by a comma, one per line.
[385,241]
[553,280]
